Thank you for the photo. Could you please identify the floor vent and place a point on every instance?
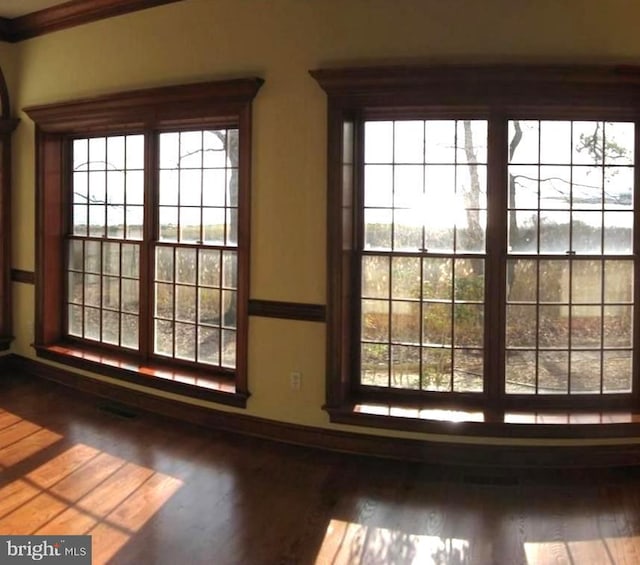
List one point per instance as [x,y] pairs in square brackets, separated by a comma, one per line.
[118,410]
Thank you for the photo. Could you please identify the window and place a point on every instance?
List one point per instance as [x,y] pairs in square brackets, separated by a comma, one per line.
[486,253]
[146,195]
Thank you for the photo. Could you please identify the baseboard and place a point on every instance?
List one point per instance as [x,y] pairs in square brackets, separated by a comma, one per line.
[475,455]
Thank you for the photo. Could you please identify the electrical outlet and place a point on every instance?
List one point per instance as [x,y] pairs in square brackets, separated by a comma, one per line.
[295,380]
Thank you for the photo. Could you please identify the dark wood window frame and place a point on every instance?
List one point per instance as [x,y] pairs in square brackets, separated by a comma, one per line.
[496,94]
[7,126]
[174,108]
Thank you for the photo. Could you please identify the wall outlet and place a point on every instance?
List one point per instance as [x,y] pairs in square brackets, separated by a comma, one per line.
[295,380]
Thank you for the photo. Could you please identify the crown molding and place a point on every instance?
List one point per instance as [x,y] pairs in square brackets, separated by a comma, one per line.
[69,14]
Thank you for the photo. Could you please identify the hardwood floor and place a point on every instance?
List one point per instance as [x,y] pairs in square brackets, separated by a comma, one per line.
[151,490]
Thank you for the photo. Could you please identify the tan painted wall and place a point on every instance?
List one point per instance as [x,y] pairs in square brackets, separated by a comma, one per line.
[281,40]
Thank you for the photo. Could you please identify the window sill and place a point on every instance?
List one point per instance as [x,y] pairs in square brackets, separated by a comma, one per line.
[161,377]
[541,424]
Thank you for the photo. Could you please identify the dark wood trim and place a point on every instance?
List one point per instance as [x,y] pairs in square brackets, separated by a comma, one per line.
[540,425]
[70,14]
[478,454]
[5,29]
[524,89]
[7,126]
[27,277]
[492,92]
[165,378]
[287,310]
[209,104]
[214,102]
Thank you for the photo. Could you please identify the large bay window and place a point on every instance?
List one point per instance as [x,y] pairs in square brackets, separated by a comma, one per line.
[143,236]
[483,240]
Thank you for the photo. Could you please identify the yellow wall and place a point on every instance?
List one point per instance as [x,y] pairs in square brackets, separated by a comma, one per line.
[280,40]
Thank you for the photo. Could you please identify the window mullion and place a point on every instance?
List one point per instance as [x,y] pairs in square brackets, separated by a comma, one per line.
[495,272]
[147,246]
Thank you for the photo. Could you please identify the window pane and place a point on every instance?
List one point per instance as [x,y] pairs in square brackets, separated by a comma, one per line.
[554,232]
[553,372]
[437,370]
[208,345]
[617,371]
[213,220]
[521,281]
[169,188]
[437,324]
[164,264]
[618,326]
[440,141]
[587,232]
[209,304]
[405,322]
[168,223]
[468,325]
[230,269]
[229,309]
[584,305]
[92,323]
[555,142]
[424,193]
[405,277]
[190,187]
[374,361]
[468,374]
[437,279]
[553,327]
[405,367]
[524,141]
[520,372]
[111,293]
[164,301]
[130,296]
[214,187]
[409,142]
[618,281]
[163,333]
[75,323]
[135,151]
[586,282]
[129,334]
[209,267]
[80,220]
[185,303]
[135,187]
[521,326]
[228,348]
[186,265]
[80,154]
[111,328]
[585,372]
[375,277]
[378,142]
[185,341]
[618,232]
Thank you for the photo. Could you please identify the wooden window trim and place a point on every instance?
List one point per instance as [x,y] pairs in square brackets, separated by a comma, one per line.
[157,109]
[493,92]
[7,126]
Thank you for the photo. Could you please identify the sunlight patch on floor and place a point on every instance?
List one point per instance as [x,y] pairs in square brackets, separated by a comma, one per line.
[351,543]
[80,491]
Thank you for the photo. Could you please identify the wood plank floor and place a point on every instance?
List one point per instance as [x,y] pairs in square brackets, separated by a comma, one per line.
[150,490]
